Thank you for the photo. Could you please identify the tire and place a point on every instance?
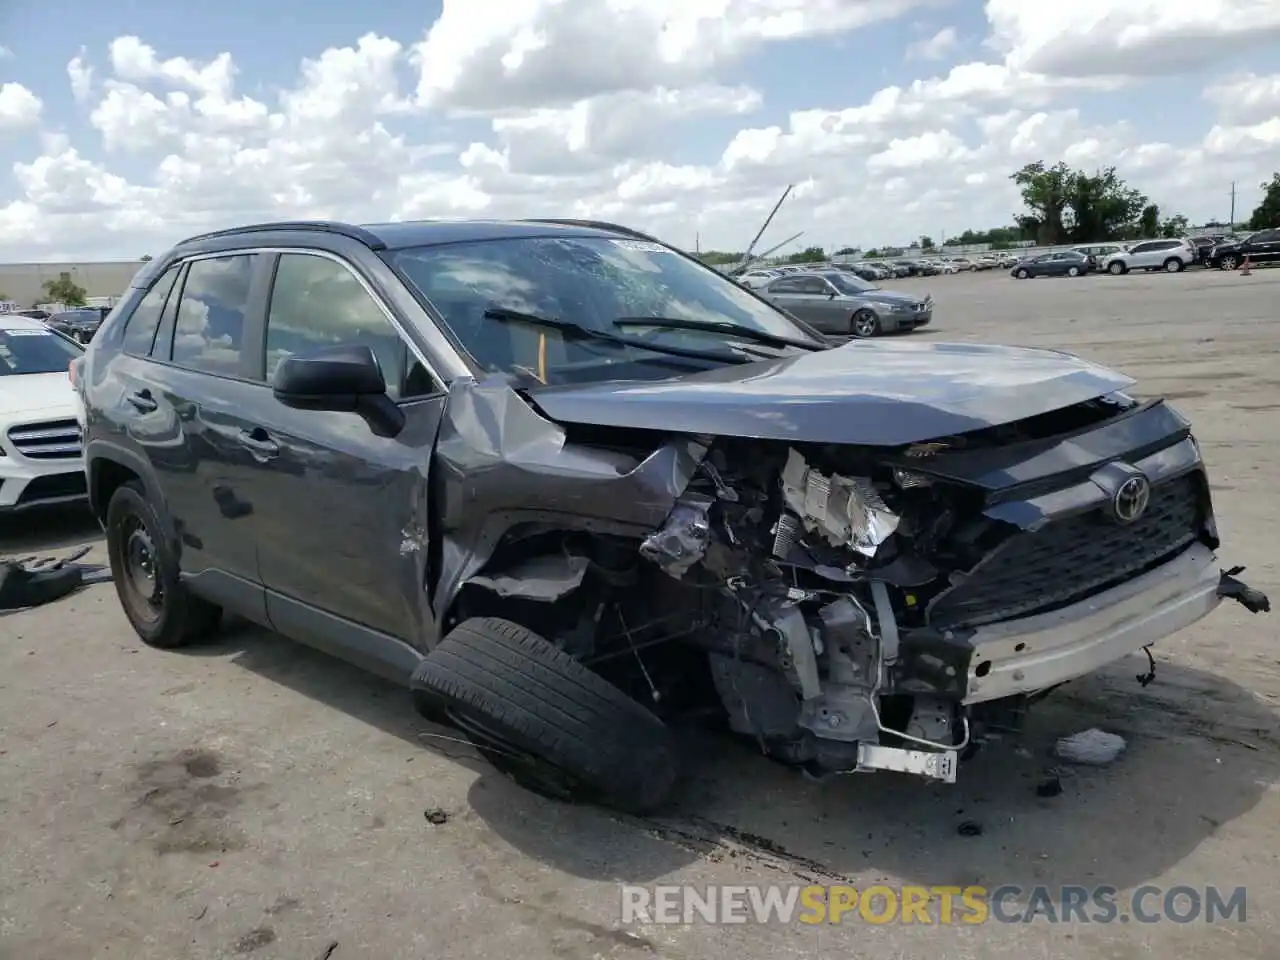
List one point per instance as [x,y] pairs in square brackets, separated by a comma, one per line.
[1022,274]
[1173,265]
[864,324]
[170,616]
[1116,268]
[1228,262]
[539,715]
[1073,271]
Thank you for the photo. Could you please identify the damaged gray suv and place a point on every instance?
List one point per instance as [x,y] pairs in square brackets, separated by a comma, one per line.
[571,487]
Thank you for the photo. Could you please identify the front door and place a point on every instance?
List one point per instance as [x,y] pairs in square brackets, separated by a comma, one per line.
[344,560]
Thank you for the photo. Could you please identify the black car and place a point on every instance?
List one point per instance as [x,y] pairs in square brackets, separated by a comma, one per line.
[1262,247]
[80,324]
[1062,263]
[567,484]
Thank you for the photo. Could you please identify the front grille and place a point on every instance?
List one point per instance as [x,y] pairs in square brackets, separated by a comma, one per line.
[1067,560]
[51,440]
[53,487]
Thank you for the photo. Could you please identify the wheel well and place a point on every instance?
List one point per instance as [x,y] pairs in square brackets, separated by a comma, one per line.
[106,477]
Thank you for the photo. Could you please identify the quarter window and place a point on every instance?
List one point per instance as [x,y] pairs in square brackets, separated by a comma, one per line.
[140,329]
[317,302]
[209,330]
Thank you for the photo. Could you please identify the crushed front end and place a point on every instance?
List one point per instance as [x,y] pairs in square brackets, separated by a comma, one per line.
[884,608]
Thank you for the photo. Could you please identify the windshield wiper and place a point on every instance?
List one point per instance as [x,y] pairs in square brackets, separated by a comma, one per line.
[577,331]
[729,329]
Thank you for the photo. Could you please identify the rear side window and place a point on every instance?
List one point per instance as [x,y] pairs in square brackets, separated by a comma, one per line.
[210,321]
[140,330]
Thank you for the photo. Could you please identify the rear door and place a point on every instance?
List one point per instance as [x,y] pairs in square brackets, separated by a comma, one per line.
[785,292]
[346,510]
[186,393]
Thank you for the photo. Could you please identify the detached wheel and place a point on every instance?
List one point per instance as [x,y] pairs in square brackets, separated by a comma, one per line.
[1022,274]
[540,716]
[1173,265]
[1116,268]
[864,323]
[145,571]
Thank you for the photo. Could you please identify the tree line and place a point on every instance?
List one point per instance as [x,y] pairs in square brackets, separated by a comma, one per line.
[1064,205]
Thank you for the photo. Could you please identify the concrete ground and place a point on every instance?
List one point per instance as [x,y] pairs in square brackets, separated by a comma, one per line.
[253,798]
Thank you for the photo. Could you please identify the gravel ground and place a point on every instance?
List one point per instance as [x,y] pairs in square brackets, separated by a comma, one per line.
[253,798]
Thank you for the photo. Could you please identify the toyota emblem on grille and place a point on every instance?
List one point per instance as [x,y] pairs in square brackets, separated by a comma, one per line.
[1131,500]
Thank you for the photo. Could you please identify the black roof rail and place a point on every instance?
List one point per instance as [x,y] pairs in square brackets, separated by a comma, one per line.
[596,225]
[359,234]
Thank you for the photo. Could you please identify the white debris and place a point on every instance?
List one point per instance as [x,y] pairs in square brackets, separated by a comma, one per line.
[1094,747]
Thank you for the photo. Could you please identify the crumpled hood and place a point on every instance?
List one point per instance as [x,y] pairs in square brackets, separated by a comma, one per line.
[880,393]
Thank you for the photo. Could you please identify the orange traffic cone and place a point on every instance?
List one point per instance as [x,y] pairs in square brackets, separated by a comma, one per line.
[1244,267]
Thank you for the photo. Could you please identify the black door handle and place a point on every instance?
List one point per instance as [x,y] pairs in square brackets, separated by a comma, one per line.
[143,402]
[259,444]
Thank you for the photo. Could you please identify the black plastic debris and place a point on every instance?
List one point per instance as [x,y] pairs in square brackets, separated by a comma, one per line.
[35,581]
[969,828]
[1050,786]
[1255,601]
[435,816]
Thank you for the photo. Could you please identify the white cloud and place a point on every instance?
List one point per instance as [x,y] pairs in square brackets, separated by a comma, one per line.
[19,107]
[1086,38]
[935,47]
[605,109]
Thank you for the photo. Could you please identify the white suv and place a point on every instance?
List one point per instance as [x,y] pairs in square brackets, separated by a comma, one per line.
[40,457]
[1169,255]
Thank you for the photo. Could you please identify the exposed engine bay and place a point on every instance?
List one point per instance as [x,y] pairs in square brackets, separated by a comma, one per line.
[832,591]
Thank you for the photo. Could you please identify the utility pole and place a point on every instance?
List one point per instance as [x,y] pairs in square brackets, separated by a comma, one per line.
[1232,222]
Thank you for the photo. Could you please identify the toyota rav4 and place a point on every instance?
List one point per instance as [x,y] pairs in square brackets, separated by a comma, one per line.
[565,482]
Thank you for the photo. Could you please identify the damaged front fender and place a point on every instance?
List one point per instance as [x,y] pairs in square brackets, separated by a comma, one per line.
[500,464]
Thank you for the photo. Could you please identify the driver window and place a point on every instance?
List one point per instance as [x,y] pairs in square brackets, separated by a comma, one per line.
[813,285]
[317,302]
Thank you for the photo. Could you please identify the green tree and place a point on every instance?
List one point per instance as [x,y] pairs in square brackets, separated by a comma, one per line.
[1064,204]
[1175,226]
[65,290]
[1267,213]
[1148,223]
[808,255]
[846,251]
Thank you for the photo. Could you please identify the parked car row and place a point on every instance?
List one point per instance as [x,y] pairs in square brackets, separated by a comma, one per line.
[877,270]
[78,323]
[1170,255]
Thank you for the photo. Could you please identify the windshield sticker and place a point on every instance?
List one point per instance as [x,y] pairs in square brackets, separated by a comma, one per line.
[641,246]
[23,332]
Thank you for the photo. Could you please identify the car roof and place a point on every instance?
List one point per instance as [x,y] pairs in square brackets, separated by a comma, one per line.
[14,321]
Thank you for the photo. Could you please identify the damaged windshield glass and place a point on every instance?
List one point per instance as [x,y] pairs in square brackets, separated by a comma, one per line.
[590,282]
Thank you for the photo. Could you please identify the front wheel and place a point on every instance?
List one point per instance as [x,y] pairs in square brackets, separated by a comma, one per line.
[1116,268]
[864,323]
[1022,274]
[145,571]
[1173,265]
[543,718]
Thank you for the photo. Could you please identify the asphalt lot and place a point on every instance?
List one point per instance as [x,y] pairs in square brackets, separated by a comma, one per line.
[256,799]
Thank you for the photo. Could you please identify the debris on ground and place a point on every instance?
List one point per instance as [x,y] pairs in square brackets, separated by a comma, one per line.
[1050,786]
[328,951]
[969,828]
[35,581]
[435,816]
[1093,747]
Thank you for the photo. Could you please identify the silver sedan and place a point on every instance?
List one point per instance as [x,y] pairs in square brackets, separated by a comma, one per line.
[839,303]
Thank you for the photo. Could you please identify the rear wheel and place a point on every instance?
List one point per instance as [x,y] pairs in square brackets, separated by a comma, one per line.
[1115,268]
[540,716]
[1073,271]
[864,323]
[145,571]
[1228,262]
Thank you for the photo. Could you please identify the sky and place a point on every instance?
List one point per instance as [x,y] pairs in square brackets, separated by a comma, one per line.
[126,126]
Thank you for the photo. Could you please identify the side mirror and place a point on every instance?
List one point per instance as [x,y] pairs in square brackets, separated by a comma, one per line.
[341,379]
[831,295]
